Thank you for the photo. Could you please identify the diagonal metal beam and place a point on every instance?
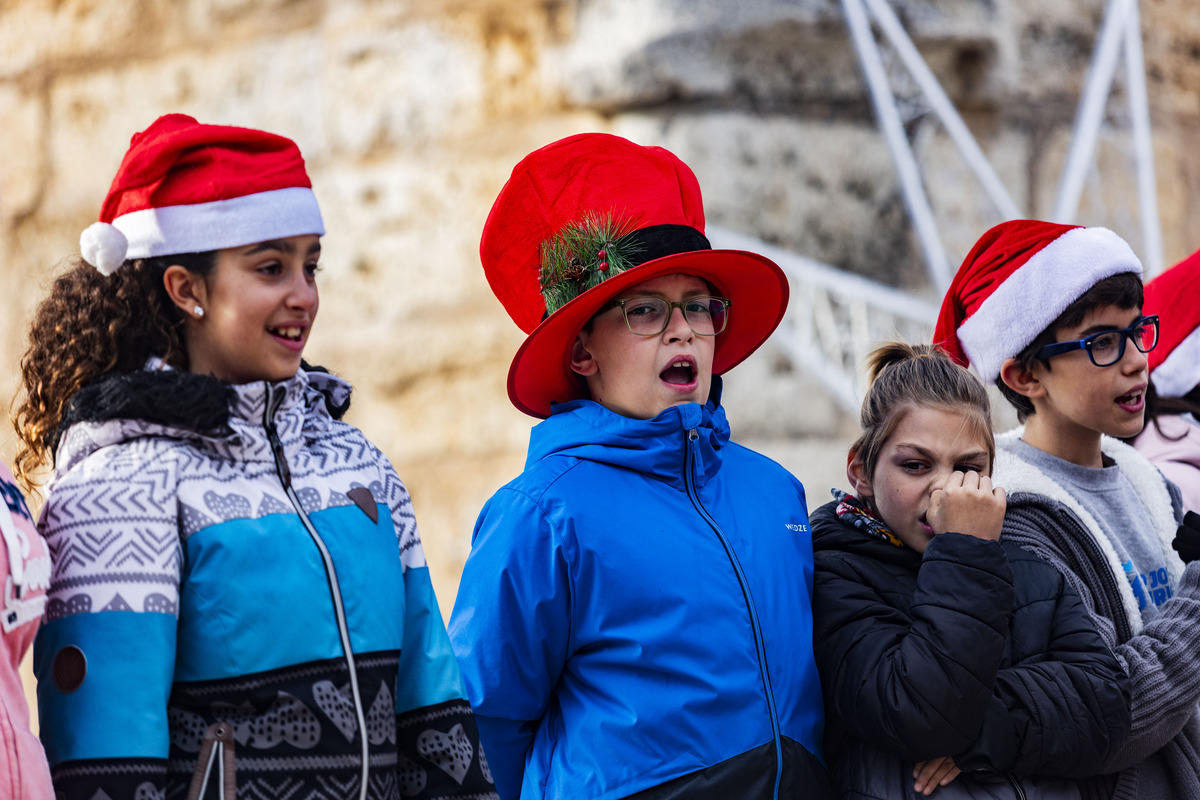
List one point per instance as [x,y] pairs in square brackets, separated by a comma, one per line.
[911,185]
[1143,144]
[941,104]
[835,317]
[1088,117]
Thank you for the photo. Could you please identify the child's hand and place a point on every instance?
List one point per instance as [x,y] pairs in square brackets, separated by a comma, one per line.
[967,503]
[931,774]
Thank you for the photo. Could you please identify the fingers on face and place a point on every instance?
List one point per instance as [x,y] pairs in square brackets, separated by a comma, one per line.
[971,480]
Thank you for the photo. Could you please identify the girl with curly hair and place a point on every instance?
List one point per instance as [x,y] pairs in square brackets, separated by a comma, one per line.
[239,599]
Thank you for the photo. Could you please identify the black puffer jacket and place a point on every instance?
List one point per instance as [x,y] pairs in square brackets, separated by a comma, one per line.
[976,650]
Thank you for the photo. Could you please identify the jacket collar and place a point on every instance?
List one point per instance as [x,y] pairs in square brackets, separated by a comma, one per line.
[162,401]
[657,447]
[832,533]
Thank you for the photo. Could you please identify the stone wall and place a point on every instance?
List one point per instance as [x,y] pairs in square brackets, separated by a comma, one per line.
[412,112]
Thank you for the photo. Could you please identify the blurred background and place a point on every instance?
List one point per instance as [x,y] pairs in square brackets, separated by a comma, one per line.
[816,136]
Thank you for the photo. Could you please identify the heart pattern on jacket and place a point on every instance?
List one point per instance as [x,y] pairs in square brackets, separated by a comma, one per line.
[147,791]
[336,704]
[412,777]
[381,717]
[287,720]
[450,752]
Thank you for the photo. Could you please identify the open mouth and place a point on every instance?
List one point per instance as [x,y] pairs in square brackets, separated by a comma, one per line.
[1133,400]
[924,523]
[680,372]
[291,334]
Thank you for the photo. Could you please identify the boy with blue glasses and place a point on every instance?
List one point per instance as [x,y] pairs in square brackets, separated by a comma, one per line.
[1047,312]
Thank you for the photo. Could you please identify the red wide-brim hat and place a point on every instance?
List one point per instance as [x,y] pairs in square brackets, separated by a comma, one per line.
[646,205]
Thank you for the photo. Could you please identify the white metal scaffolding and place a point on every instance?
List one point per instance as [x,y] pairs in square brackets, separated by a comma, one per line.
[836,317]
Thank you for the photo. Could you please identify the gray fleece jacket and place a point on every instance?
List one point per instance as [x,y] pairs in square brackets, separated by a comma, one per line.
[1161,757]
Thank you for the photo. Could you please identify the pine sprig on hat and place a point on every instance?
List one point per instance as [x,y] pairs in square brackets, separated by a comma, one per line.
[583,255]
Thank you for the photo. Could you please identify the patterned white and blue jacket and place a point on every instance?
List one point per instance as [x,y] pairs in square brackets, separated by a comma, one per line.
[240,602]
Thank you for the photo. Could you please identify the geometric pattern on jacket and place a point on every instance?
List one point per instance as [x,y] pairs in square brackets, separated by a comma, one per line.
[196,595]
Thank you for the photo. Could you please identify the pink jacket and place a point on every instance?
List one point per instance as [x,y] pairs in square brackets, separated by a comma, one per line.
[1176,453]
[24,576]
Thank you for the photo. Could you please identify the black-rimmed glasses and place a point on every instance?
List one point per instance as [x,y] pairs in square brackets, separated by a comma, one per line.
[1108,347]
[649,316]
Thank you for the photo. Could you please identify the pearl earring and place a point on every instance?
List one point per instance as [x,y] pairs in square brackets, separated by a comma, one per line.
[198,311]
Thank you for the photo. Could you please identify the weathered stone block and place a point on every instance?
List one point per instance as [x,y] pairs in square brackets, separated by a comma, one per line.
[23,163]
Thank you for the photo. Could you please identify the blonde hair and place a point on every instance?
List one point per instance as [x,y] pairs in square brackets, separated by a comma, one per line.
[904,376]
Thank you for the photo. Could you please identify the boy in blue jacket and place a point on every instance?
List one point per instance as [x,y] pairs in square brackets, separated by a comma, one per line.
[634,619]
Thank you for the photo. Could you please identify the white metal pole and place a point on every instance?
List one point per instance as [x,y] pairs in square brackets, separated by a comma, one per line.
[902,155]
[1091,110]
[1143,144]
[944,108]
[810,272]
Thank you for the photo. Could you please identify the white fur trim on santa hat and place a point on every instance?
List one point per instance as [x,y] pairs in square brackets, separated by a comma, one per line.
[223,223]
[1030,299]
[1179,372]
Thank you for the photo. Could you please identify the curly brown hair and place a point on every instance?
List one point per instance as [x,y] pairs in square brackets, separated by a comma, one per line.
[90,325]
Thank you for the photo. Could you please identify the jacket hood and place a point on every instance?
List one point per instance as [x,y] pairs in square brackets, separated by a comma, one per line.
[586,430]
[162,401]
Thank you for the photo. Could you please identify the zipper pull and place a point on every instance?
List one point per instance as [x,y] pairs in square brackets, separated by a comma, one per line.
[281,465]
[274,397]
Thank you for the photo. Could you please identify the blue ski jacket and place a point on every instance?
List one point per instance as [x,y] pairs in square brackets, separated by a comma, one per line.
[240,603]
[635,615]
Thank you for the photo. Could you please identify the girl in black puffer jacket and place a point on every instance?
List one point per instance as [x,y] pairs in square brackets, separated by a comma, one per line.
[949,660]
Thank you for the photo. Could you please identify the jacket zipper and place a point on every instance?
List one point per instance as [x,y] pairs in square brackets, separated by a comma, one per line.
[1016,785]
[756,627]
[275,395]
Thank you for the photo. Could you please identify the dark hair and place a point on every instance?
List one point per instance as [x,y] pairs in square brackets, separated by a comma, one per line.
[1123,290]
[904,376]
[92,324]
[1160,406]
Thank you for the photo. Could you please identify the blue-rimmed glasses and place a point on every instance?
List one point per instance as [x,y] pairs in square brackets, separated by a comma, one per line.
[649,316]
[1108,347]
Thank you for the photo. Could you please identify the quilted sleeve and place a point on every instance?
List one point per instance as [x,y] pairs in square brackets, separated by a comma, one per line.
[1162,660]
[916,686]
[1063,708]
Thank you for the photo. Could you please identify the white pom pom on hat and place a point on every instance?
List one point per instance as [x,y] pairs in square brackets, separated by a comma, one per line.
[103,246]
[187,187]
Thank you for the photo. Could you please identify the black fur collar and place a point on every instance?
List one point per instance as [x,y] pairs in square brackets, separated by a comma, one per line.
[171,398]
[163,397]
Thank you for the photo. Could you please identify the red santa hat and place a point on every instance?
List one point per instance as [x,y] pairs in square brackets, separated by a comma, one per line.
[1020,276]
[185,187]
[1175,297]
[585,218]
